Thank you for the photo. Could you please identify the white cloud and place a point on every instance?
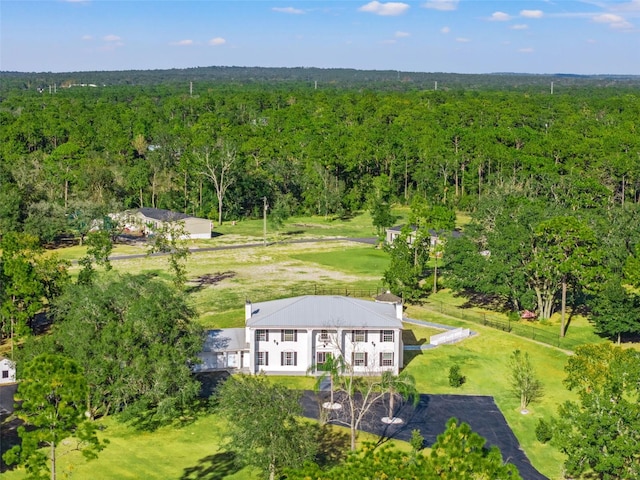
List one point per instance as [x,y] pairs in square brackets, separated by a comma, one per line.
[613,20]
[462,40]
[385,9]
[87,38]
[391,41]
[111,38]
[402,34]
[442,5]
[183,43]
[532,13]
[445,30]
[500,17]
[214,42]
[290,10]
[519,26]
[526,50]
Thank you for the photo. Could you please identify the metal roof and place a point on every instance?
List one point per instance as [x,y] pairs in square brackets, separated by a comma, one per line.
[319,311]
[162,215]
[226,339]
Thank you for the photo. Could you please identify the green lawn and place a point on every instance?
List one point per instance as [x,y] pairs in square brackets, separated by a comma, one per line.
[221,281]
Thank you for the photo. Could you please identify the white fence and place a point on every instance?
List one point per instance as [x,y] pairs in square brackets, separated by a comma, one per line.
[450,336]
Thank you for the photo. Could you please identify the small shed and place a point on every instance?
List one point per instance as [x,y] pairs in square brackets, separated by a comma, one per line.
[7,371]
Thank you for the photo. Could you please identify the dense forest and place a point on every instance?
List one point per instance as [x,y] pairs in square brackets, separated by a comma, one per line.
[528,162]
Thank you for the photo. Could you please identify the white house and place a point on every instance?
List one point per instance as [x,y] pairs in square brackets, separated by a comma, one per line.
[292,336]
[434,237]
[149,219]
[7,371]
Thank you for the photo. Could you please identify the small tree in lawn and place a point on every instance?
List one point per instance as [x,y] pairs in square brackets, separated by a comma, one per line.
[263,423]
[169,238]
[403,386]
[52,393]
[523,380]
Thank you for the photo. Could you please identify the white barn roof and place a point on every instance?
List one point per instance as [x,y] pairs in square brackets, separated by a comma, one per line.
[319,311]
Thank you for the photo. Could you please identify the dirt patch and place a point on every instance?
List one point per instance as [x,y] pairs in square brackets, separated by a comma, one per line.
[213,278]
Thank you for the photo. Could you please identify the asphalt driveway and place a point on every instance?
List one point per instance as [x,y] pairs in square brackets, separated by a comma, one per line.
[430,417]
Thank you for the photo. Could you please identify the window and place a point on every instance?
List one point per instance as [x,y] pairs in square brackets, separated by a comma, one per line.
[321,357]
[289,336]
[386,359]
[5,373]
[262,358]
[359,335]
[289,359]
[359,359]
[324,335]
[262,335]
[386,335]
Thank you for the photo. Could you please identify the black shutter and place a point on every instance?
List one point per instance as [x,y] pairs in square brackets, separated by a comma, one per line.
[266,335]
[281,358]
[295,335]
[295,359]
[365,358]
[266,358]
[282,335]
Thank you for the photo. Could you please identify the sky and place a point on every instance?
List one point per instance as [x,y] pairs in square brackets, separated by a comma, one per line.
[454,36]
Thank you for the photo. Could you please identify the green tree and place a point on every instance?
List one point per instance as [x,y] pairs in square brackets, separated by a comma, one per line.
[170,238]
[135,339]
[51,397]
[29,281]
[402,386]
[564,249]
[404,274]
[460,454]
[601,434]
[380,205]
[523,380]
[615,310]
[264,428]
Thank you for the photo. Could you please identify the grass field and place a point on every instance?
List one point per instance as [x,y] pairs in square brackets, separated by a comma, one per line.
[221,280]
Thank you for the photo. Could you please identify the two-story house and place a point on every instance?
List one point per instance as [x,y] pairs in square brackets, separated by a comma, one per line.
[293,336]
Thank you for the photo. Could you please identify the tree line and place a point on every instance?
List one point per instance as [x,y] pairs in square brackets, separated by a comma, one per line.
[218,153]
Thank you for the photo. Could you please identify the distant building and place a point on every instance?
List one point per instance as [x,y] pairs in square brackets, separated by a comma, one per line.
[7,371]
[146,220]
[434,237]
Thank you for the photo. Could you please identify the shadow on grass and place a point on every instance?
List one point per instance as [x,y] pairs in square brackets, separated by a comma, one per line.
[333,446]
[212,467]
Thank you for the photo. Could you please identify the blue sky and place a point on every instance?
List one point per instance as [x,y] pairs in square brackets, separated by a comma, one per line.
[460,36]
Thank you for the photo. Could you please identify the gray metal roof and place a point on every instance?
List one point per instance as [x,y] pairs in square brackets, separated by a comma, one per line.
[162,215]
[226,339]
[319,311]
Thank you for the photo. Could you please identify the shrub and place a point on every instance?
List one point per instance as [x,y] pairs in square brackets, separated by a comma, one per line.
[456,379]
[544,431]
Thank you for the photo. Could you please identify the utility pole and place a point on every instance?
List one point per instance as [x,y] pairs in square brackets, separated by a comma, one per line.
[264,221]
